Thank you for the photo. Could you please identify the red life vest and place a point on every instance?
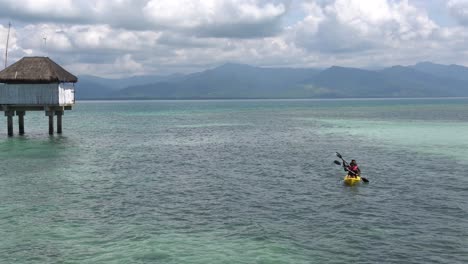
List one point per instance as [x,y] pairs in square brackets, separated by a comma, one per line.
[353,168]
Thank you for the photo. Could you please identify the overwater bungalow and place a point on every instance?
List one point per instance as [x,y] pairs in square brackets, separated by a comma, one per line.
[36,84]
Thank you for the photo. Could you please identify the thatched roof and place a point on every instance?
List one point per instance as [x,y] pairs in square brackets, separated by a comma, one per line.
[36,70]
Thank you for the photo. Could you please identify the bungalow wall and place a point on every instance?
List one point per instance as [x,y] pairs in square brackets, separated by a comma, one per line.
[37,94]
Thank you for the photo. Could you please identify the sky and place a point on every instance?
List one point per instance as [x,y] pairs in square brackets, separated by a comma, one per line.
[122,38]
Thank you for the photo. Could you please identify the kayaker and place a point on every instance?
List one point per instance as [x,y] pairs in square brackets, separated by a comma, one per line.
[353,169]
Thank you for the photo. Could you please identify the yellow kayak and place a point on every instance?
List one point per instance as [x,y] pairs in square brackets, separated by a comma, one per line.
[348,180]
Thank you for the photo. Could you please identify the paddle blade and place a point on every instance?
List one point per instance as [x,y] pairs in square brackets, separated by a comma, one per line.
[364,180]
[339,155]
[337,162]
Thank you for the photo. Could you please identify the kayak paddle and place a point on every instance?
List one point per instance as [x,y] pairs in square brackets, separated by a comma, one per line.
[344,165]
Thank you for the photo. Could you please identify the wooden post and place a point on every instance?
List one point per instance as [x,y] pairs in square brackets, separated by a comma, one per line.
[10,125]
[20,115]
[9,114]
[51,125]
[59,121]
[50,114]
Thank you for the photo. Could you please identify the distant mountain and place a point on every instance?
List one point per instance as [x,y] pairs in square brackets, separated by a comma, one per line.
[227,81]
[93,87]
[446,71]
[352,82]
[414,83]
[85,89]
[245,81]
[117,84]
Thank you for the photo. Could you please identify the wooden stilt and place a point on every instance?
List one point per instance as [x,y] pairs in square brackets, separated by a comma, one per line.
[9,114]
[20,115]
[51,124]
[59,121]
[10,125]
[50,113]
[20,110]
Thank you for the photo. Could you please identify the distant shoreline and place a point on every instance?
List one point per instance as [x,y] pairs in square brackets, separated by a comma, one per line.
[273,99]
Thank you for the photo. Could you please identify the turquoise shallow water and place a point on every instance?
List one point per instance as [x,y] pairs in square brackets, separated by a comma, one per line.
[238,182]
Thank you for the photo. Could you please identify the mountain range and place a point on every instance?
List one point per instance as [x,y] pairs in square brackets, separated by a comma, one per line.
[234,81]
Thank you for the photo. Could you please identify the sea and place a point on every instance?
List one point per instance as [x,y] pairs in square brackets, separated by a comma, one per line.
[238,181]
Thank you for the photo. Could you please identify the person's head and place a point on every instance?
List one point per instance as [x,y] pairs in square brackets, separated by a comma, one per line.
[353,162]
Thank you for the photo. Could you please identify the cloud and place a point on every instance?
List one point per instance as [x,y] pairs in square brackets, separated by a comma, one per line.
[134,37]
[162,37]
[123,13]
[459,10]
[214,18]
[343,26]
[207,18]
[121,66]
[37,10]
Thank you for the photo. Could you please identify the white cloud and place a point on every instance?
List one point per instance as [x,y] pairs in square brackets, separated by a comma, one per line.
[216,18]
[123,65]
[45,9]
[354,25]
[459,9]
[127,37]
[126,64]
[197,13]
[239,18]
[81,38]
